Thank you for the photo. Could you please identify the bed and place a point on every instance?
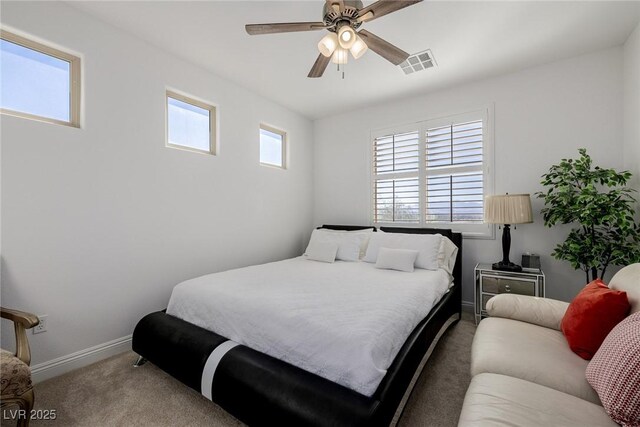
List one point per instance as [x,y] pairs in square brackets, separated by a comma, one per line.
[295,368]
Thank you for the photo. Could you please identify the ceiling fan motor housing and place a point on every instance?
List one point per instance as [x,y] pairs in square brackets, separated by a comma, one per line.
[334,19]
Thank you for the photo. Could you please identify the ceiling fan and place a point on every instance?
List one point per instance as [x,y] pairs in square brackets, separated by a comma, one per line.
[342,18]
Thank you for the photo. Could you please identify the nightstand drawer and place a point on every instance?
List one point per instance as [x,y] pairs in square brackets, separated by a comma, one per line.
[504,285]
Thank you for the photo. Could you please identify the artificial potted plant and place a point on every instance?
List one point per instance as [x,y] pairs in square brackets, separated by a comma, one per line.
[599,203]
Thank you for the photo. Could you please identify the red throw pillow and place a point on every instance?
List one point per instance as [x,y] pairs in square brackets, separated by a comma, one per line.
[592,314]
[614,372]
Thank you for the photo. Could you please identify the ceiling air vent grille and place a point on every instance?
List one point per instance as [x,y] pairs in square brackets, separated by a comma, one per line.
[418,62]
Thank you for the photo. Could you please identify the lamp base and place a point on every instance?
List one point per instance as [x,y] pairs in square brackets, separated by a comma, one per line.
[506,266]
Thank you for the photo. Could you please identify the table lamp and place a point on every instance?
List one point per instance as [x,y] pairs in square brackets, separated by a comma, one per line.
[507,209]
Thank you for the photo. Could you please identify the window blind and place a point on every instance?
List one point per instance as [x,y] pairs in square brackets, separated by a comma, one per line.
[397,153]
[434,174]
[396,162]
[397,200]
[454,188]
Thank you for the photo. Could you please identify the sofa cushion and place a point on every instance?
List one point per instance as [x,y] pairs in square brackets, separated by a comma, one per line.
[614,372]
[498,400]
[591,316]
[628,280]
[533,353]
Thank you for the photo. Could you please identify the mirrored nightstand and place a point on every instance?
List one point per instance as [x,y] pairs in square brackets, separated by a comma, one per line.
[491,282]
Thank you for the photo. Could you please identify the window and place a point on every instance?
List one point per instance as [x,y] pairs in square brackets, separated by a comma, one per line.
[272,146]
[454,173]
[38,82]
[191,124]
[397,186]
[434,173]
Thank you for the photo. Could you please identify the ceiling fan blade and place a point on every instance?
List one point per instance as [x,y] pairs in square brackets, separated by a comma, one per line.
[288,27]
[337,5]
[383,48]
[383,7]
[319,66]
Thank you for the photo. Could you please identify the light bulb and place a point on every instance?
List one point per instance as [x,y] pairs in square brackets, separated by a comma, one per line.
[340,56]
[359,48]
[328,44]
[346,36]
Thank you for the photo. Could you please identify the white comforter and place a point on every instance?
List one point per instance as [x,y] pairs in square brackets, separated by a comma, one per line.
[344,321]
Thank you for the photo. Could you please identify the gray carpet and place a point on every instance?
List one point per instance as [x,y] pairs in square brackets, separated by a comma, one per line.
[113,393]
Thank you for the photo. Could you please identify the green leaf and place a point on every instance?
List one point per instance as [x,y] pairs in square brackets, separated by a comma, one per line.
[598,203]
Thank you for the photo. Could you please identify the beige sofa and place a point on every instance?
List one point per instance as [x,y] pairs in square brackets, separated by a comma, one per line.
[524,373]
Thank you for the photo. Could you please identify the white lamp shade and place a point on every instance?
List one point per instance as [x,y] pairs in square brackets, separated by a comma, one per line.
[346,37]
[359,48]
[328,44]
[340,56]
[508,209]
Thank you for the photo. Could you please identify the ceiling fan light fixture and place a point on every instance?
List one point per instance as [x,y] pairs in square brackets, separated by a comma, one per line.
[328,44]
[346,37]
[340,56]
[342,18]
[359,48]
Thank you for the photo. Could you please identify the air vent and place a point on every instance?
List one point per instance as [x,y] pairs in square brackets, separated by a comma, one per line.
[418,62]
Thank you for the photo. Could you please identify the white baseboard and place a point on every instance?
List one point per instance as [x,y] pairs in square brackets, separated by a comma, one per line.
[467,306]
[64,364]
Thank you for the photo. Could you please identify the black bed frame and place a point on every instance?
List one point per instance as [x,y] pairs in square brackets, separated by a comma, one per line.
[261,390]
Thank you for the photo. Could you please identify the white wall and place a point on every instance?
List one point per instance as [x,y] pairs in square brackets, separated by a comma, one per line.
[100,223]
[632,109]
[541,115]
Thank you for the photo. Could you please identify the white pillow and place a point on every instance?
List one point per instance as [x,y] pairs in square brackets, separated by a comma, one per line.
[366,233]
[396,259]
[427,246]
[349,243]
[322,251]
[447,255]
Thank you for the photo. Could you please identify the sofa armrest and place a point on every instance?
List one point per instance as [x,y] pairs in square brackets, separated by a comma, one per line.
[538,311]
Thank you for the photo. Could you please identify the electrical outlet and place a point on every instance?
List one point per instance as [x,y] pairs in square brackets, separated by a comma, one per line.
[42,326]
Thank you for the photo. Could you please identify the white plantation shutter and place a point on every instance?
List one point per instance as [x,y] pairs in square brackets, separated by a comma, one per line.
[433,172]
[454,170]
[396,162]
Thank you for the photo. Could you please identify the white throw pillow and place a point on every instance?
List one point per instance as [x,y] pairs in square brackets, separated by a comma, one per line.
[322,251]
[365,234]
[349,243]
[447,255]
[427,246]
[396,259]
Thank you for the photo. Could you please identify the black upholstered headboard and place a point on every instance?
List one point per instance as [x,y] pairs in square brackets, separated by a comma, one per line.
[348,227]
[456,238]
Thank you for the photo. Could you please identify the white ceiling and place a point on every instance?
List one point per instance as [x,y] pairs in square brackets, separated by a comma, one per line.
[470,40]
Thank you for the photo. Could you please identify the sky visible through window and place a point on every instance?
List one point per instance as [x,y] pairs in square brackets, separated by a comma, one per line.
[33,82]
[188,125]
[271,148]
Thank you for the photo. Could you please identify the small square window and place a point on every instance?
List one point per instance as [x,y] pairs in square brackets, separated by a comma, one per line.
[191,124]
[272,146]
[38,82]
